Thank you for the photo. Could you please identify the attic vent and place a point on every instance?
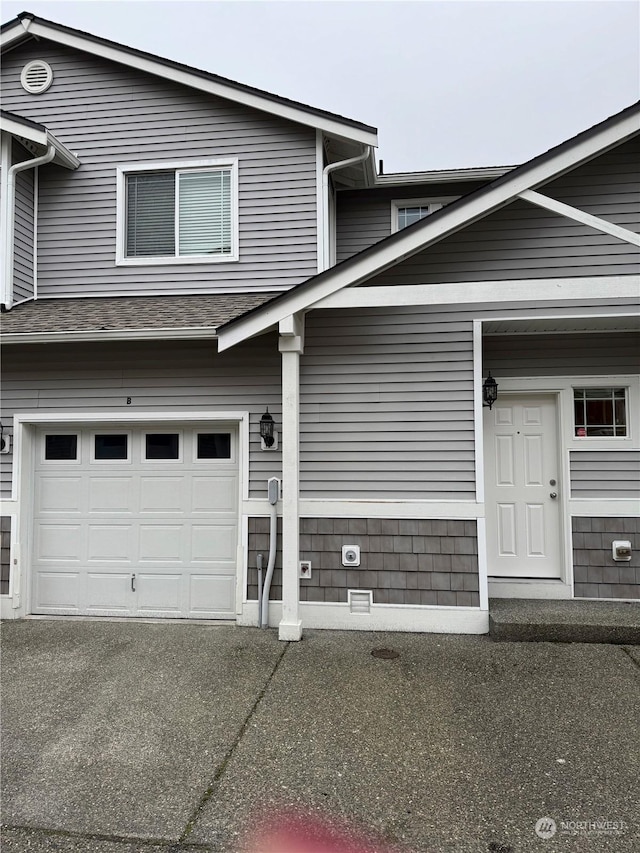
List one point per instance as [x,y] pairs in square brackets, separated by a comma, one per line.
[36,76]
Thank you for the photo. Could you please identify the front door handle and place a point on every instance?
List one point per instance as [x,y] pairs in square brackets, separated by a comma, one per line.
[553,495]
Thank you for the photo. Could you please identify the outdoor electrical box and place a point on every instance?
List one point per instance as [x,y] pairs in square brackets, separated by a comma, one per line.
[350,555]
[273,490]
[621,550]
[305,570]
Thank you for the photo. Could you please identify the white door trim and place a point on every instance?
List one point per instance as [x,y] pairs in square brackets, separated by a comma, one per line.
[523,387]
[23,480]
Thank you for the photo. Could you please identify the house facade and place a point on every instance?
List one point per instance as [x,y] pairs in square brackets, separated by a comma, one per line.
[207,287]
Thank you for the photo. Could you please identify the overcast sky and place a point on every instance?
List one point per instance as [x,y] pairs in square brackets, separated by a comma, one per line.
[448,83]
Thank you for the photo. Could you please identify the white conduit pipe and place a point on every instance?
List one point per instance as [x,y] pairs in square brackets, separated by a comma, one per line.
[8,236]
[273,493]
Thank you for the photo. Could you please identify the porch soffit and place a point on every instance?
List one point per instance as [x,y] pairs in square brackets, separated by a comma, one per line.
[541,325]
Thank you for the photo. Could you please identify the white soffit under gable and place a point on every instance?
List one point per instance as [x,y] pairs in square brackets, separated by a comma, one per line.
[339,126]
[38,135]
[441,224]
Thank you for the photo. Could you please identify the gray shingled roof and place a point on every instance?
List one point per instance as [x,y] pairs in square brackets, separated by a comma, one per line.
[129,313]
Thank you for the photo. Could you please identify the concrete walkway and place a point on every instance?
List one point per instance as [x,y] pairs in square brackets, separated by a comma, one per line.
[166,738]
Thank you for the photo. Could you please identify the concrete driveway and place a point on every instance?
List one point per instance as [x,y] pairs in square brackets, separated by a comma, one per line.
[121,737]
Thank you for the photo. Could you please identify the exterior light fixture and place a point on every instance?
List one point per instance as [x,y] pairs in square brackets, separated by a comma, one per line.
[266,431]
[489,391]
[5,441]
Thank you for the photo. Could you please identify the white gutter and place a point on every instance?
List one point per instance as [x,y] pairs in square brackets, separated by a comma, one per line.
[8,238]
[332,167]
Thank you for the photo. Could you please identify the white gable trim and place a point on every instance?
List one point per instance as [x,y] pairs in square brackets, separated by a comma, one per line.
[123,56]
[570,212]
[432,229]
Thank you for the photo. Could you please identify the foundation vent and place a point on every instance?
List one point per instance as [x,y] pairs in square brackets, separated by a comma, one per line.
[36,77]
[360,601]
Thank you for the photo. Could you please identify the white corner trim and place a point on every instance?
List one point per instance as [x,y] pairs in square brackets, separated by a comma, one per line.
[478,426]
[571,212]
[470,292]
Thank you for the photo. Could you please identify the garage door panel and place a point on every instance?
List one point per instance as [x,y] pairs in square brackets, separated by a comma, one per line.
[212,597]
[55,591]
[213,542]
[162,494]
[60,494]
[160,593]
[211,494]
[111,494]
[60,542]
[109,592]
[111,543]
[161,543]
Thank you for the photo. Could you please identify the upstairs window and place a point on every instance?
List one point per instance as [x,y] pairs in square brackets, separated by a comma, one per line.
[600,412]
[178,215]
[407,211]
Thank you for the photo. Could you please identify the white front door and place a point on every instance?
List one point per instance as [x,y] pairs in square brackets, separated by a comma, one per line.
[136,521]
[522,487]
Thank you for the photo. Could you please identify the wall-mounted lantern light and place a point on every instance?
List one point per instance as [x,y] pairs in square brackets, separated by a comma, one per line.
[489,391]
[5,441]
[268,436]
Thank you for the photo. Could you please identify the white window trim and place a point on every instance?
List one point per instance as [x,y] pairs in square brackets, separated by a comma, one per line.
[107,431]
[219,461]
[163,460]
[591,439]
[175,166]
[398,203]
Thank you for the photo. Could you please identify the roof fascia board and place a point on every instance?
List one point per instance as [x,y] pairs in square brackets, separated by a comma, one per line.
[79,335]
[449,220]
[442,176]
[41,136]
[194,81]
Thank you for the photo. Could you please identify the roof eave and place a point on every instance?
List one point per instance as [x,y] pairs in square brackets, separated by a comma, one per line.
[31,26]
[93,335]
[40,135]
[404,244]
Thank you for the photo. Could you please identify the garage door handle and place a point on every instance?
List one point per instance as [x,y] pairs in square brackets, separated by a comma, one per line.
[133,583]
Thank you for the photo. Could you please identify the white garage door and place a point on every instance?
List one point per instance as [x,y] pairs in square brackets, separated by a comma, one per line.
[136,522]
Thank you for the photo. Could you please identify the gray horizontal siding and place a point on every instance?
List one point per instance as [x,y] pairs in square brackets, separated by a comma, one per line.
[386,406]
[525,241]
[363,217]
[110,115]
[562,355]
[172,377]
[605,473]
[23,268]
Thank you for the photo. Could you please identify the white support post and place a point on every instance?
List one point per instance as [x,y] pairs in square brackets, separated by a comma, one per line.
[291,345]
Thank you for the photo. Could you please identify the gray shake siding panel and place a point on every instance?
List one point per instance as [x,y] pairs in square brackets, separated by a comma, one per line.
[23,231]
[387,405]
[110,115]
[172,377]
[562,355]
[605,473]
[595,573]
[524,241]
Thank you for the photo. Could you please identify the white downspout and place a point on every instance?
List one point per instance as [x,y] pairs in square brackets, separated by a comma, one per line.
[332,167]
[8,237]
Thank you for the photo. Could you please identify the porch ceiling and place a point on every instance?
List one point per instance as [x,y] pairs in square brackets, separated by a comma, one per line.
[540,325]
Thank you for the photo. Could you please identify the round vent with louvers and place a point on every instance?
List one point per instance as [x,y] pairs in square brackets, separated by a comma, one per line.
[36,77]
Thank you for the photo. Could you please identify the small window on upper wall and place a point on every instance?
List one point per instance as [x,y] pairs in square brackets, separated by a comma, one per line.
[600,412]
[59,448]
[407,211]
[178,215]
[214,445]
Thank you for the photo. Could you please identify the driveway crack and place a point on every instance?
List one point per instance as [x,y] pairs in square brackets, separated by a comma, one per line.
[207,795]
[633,660]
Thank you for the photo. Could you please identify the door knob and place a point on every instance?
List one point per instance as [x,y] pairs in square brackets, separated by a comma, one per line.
[553,494]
